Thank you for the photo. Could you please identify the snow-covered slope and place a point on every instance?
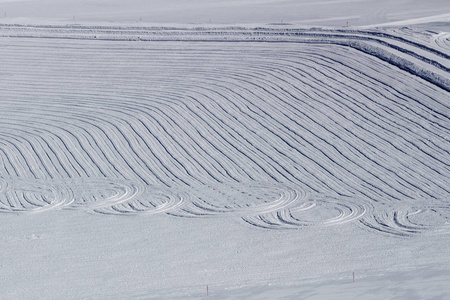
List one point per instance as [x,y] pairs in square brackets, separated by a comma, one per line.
[320,12]
[242,157]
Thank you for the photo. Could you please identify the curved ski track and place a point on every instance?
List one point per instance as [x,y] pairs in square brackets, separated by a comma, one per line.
[281,128]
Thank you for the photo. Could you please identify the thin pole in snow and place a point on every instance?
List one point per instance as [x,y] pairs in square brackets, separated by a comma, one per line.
[353,277]
[207,291]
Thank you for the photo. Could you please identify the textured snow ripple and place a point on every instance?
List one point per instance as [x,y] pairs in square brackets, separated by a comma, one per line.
[279,128]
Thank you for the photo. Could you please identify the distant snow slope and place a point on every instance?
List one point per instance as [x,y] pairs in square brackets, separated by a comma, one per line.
[330,12]
[243,156]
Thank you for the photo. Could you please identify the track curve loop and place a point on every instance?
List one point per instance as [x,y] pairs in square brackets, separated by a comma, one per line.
[154,200]
[28,195]
[313,212]
[430,217]
[240,199]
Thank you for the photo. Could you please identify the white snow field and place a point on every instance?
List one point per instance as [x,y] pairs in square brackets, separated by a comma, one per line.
[310,12]
[267,161]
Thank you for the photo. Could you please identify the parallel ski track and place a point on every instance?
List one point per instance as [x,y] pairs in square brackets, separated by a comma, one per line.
[283,129]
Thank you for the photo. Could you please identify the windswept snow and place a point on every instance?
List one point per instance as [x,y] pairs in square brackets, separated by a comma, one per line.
[151,162]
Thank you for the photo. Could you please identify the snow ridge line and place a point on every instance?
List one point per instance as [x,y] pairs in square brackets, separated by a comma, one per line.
[228,30]
[366,41]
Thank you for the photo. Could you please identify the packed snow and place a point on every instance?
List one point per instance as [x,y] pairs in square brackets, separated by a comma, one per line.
[258,158]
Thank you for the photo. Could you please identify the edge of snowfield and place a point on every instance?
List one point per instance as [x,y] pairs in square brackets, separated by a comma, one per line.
[392,285]
[428,59]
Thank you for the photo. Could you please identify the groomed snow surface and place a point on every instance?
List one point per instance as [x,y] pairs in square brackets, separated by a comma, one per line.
[254,162]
